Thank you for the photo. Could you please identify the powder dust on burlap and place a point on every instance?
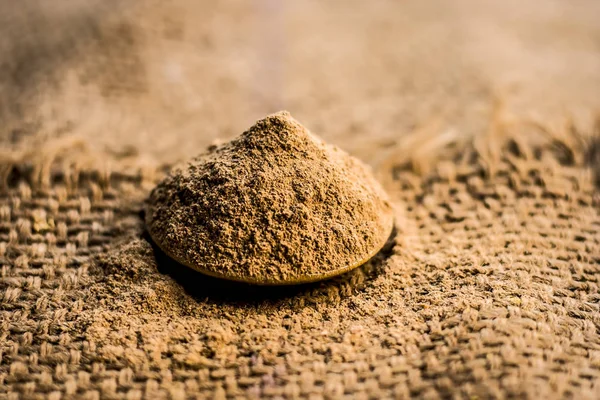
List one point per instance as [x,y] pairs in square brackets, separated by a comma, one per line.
[274,205]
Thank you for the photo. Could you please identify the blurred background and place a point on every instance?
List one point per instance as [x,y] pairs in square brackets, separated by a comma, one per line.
[160,80]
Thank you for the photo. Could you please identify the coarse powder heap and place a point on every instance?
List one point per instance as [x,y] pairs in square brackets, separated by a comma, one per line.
[276,205]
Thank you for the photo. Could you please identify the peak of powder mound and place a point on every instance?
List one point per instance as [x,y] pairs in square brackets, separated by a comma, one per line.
[276,205]
[279,128]
[280,133]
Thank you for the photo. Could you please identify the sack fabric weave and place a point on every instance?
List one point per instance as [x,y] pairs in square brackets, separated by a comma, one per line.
[488,287]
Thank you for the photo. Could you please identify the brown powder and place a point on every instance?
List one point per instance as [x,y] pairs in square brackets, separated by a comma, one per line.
[276,205]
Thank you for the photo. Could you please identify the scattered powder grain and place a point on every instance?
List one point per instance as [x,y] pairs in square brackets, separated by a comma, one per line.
[276,205]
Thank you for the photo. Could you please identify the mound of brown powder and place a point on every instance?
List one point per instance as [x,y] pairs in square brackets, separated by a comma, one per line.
[276,205]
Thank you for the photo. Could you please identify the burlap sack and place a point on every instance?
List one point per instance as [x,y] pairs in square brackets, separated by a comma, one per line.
[488,287]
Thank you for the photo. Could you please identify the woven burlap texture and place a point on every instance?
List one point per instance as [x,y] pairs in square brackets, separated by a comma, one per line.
[487,288]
